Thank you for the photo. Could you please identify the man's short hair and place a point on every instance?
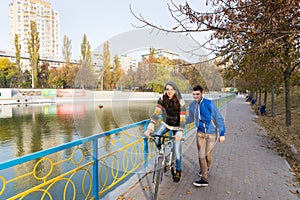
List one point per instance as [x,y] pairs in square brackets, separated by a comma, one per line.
[197,88]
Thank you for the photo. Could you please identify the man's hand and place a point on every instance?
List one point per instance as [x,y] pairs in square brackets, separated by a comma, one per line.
[222,139]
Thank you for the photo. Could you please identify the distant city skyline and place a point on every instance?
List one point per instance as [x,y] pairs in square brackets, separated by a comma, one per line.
[99,20]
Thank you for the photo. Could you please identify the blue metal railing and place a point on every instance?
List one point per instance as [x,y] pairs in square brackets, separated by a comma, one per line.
[97,188]
[26,158]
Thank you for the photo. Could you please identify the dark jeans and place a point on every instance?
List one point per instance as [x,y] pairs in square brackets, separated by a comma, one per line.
[162,129]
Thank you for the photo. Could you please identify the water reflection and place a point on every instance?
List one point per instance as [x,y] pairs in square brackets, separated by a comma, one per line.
[26,129]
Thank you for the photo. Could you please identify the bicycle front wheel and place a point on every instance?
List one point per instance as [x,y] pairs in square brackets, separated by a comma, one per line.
[158,172]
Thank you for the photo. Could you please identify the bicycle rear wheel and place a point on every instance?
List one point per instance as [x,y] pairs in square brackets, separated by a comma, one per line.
[158,172]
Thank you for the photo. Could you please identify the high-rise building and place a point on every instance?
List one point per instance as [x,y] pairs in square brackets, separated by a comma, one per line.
[22,12]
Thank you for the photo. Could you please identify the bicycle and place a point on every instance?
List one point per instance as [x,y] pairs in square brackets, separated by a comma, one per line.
[165,159]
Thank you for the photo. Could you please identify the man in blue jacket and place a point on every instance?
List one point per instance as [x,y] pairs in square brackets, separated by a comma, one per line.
[209,123]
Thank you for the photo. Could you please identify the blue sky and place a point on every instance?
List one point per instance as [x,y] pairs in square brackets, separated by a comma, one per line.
[98,19]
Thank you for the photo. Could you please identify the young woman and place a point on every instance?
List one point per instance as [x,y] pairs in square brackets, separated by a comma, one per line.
[172,108]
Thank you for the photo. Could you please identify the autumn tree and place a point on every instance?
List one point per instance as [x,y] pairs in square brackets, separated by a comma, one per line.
[191,73]
[85,76]
[210,74]
[147,72]
[18,57]
[54,78]
[69,72]
[106,74]
[64,77]
[258,28]
[86,54]
[33,49]
[67,50]
[44,75]
[18,51]
[70,75]
[117,74]
[26,83]
[267,29]
[153,72]
[8,74]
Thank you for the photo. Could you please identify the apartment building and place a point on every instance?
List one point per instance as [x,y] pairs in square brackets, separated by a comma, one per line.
[159,53]
[128,63]
[22,12]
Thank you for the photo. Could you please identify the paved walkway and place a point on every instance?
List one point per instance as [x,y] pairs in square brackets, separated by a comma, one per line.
[243,166]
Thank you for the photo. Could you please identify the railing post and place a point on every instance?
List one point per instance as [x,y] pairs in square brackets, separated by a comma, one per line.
[146,147]
[95,169]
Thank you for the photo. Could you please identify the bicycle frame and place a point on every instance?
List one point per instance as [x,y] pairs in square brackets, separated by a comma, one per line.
[163,161]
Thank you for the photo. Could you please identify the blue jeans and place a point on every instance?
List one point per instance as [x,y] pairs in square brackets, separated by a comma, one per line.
[161,130]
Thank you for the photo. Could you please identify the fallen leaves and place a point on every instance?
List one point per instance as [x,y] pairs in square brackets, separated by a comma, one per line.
[228,192]
[146,188]
[284,139]
[294,191]
[271,183]
[188,192]
[122,197]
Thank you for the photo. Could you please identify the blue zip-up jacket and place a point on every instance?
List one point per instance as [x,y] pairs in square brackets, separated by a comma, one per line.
[211,119]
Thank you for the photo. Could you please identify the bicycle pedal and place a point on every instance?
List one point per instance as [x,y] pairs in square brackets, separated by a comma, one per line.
[166,168]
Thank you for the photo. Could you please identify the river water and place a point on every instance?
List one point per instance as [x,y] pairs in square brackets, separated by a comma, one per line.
[25,129]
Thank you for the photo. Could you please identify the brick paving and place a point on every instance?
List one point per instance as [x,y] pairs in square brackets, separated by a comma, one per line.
[243,166]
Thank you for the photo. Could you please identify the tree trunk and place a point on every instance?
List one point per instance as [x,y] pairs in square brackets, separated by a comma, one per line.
[288,117]
[272,101]
[265,97]
[259,97]
[256,95]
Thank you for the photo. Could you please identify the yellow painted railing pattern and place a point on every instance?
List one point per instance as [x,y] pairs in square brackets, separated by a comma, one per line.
[47,182]
[132,158]
[119,156]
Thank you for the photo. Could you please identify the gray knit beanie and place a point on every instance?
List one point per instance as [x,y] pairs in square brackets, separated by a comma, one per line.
[178,94]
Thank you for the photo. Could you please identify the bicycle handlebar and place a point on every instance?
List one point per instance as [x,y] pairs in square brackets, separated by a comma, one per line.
[153,136]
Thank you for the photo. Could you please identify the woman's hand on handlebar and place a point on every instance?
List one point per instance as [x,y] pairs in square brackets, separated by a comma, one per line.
[147,132]
[149,129]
